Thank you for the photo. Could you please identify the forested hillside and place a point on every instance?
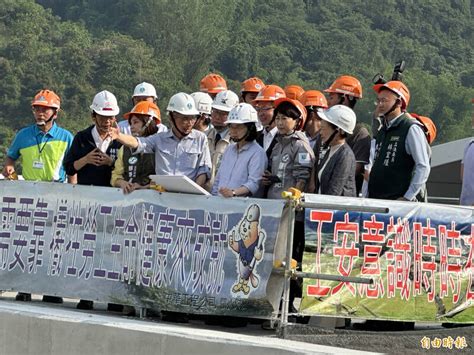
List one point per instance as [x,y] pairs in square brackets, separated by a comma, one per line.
[79,47]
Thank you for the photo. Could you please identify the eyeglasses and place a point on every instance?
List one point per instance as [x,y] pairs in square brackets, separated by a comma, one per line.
[381,101]
[263,109]
[219,112]
[41,109]
[185,117]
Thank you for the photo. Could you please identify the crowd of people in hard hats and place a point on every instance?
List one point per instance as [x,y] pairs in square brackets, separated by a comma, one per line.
[258,143]
[272,139]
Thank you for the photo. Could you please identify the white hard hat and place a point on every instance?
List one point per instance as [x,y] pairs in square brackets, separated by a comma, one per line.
[242,113]
[145,89]
[105,104]
[340,116]
[225,100]
[203,102]
[183,104]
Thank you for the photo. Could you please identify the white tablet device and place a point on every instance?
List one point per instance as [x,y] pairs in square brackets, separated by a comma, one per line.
[178,183]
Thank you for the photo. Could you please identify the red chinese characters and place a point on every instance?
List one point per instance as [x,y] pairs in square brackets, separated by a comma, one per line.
[319,217]
[406,257]
[469,267]
[450,261]
[346,235]
[399,258]
[373,233]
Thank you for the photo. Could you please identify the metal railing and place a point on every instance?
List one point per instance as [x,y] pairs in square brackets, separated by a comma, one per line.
[295,201]
[443,200]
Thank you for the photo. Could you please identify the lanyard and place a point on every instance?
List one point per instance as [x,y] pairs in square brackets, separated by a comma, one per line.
[38,144]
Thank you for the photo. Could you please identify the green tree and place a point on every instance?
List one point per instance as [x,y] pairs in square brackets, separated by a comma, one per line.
[79,47]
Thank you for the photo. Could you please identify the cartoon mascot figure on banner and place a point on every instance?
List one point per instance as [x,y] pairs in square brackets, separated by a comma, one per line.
[246,240]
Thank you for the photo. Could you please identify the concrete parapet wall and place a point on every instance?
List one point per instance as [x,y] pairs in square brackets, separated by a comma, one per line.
[34,329]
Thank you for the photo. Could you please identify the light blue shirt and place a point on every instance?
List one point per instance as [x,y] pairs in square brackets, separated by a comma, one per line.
[242,167]
[417,146]
[188,156]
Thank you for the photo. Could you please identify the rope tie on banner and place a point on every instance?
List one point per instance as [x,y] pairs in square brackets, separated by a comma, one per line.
[156,187]
[292,194]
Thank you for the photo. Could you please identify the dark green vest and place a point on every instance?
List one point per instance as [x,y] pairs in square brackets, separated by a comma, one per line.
[137,167]
[393,167]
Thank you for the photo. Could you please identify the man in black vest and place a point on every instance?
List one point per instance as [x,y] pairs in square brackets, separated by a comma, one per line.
[401,163]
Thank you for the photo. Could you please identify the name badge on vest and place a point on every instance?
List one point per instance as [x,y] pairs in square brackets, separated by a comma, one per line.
[132,160]
[38,164]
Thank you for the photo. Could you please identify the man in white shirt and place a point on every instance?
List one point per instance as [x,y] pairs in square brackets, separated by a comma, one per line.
[264,104]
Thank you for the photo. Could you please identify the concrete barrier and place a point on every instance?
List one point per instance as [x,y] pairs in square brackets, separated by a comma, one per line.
[37,328]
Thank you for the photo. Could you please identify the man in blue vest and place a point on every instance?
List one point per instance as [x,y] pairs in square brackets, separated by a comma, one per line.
[401,164]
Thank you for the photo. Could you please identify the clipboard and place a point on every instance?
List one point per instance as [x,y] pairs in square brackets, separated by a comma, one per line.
[179,183]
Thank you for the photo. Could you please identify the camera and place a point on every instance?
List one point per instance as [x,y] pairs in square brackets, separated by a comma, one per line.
[274,179]
[397,74]
[379,79]
[398,70]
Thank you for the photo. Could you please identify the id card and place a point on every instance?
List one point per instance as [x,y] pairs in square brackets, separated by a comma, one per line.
[38,164]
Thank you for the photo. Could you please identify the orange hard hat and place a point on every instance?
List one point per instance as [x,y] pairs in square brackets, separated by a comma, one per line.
[299,106]
[428,126]
[46,98]
[346,85]
[398,88]
[212,84]
[270,93]
[145,108]
[314,98]
[293,91]
[252,85]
